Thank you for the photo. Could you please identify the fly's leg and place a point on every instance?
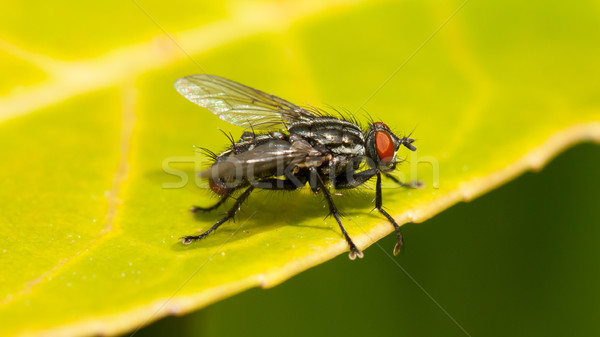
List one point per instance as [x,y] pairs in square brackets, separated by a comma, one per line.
[222,199]
[228,192]
[379,206]
[360,178]
[290,183]
[229,215]
[343,181]
[275,184]
[354,251]
[411,184]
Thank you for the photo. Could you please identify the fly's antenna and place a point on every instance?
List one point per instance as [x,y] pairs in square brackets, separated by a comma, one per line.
[407,140]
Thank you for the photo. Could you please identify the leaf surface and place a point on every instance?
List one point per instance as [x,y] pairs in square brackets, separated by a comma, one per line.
[89,117]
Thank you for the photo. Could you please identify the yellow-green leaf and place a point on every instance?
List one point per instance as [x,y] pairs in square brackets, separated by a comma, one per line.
[91,127]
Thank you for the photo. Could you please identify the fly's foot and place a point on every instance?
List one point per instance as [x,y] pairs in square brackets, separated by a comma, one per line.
[354,252]
[398,248]
[417,184]
[186,240]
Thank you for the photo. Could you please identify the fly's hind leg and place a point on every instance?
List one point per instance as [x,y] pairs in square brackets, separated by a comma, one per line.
[223,191]
[222,199]
[229,215]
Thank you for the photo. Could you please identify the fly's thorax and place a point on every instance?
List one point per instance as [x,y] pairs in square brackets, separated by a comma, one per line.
[340,137]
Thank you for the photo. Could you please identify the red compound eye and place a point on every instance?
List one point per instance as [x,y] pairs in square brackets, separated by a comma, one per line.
[385,146]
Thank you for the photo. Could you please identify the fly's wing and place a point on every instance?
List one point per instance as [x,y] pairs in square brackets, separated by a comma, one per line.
[238,104]
[269,159]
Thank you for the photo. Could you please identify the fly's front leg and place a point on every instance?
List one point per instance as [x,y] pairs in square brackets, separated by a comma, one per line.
[229,215]
[345,181]
[379,206]
[354,251]
[411,184]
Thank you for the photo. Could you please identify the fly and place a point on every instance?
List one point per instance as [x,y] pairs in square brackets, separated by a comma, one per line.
[289,147]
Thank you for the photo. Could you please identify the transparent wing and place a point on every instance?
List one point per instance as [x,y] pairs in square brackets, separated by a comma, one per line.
[238,104]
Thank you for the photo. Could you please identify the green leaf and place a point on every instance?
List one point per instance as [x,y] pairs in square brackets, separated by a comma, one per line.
[89,119]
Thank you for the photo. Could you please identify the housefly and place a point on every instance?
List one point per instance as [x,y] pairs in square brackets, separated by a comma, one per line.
[287,147]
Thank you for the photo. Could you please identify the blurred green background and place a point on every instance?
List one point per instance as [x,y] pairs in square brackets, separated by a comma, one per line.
[520,261]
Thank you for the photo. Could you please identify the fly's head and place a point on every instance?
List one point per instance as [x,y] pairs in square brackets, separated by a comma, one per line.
[382,145]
